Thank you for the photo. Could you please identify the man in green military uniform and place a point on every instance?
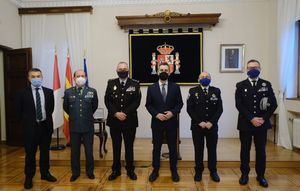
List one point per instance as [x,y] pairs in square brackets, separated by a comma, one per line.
[122,98]
[80,102]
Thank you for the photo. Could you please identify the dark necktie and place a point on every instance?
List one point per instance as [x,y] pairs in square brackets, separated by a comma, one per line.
[79,90]
[122,85]
[39,114]
[254,83]
[163,92]
[205,91]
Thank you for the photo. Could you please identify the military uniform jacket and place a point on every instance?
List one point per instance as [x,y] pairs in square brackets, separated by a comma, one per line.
[204,108]
[122,99]
[253,102]
[80,107]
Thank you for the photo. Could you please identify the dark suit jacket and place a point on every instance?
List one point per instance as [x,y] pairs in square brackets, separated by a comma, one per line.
[25,107]
[126,100]
[155,104]
[201,107]
[247,101]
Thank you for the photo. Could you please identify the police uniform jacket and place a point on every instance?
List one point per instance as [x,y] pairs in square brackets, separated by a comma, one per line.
[80,107]
[126,99]
[253,102]
[204,108]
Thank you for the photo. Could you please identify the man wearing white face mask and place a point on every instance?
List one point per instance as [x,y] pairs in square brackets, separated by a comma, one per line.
[35,105]
[80,102]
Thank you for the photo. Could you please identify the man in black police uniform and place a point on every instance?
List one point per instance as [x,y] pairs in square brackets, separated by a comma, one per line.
[204,105]
[255,101]
[122,98]
[164,102]
[35,105]
[80,102]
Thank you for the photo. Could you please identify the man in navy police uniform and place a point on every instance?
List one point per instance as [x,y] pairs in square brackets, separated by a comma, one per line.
[255,101]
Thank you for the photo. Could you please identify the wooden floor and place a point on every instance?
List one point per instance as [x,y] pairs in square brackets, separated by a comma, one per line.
[283,170]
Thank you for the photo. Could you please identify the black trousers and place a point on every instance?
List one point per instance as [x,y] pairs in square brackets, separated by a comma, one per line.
[157,139]
[88,140]
[260,140]
[211,145]
[128,134]
[41,138]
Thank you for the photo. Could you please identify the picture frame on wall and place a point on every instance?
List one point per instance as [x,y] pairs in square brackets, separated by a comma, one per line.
[232,58]
[182,51]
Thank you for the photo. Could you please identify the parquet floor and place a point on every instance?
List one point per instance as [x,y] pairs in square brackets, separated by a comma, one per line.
[283,172]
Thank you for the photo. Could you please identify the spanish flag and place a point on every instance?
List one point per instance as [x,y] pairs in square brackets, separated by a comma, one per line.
[68,84]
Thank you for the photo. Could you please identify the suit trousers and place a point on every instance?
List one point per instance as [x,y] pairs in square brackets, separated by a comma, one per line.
[211,137]
[87,139]
[42,139]
[157,139]
[260,140]
[128,134]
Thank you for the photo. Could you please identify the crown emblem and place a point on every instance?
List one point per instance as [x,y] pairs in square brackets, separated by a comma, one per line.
[165,49]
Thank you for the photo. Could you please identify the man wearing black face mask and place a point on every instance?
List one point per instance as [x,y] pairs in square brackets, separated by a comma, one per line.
[122,98]
[204,105]
[164,102]
[255,101]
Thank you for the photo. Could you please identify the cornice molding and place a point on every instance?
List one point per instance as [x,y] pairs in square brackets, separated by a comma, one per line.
[67,3]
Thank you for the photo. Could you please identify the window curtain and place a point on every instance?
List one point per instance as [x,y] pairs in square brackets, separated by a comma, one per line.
[78,34]
[287,52]
[33,35]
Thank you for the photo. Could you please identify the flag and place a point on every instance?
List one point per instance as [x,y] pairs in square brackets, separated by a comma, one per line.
[68,84]
[85,70]
[58,110]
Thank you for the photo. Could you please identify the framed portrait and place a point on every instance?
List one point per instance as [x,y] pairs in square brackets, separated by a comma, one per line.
[232,57]
[182,52]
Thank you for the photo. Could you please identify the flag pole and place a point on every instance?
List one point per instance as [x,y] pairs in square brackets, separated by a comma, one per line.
[57,147]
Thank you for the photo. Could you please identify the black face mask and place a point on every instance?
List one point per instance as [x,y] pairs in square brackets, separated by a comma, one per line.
[123,74]
[163,76]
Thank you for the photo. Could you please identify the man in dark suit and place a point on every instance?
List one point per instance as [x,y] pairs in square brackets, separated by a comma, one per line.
[122,98]
[164,102]
[35,105]
[204,105]
[80,103]
[255,101]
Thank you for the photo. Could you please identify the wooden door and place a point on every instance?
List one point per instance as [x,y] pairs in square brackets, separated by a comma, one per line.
[17,62]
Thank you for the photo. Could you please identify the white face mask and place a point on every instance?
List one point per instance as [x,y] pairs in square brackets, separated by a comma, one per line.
[80,81]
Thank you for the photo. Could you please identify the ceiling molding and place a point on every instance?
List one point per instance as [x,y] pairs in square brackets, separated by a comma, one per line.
[66,3]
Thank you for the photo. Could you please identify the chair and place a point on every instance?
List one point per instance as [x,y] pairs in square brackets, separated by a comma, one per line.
[101,132]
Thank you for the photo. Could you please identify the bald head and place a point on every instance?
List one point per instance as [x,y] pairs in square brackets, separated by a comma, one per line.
[79,73]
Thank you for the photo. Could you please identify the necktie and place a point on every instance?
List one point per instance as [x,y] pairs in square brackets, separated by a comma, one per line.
[254,83]
[163,92]
[205,91]
[79,90]
[39,114]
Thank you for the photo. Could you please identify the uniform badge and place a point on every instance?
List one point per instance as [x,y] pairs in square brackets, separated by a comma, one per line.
[196,94]
[130,89]
[89,95]
[115,87]
[264,84]
[213,97]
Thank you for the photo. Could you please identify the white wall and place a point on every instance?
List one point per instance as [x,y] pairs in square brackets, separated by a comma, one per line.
[250,23]
[10,25]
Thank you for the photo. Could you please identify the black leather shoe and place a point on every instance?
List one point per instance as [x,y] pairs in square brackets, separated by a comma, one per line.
[262,181]
[48,177]
[91,176]
[215,177]
[153,176]
[198,176]
[73,178]
[28,183]
[132,175]
[244,179]
[175,176]
[114,175]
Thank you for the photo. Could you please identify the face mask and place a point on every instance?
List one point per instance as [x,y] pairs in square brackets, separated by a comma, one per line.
[163,76]
[204,81]
[80,81]
[123,74]
[253,73]
[36,82]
